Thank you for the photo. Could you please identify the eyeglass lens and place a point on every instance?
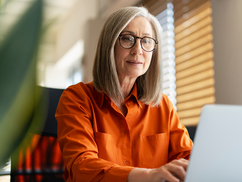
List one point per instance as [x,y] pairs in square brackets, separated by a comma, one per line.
[128,41]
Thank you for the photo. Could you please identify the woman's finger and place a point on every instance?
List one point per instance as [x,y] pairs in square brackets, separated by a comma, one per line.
[163,174]
[177,170]
[181,162]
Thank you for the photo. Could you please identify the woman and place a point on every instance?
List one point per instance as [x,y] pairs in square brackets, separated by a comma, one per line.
[120,127]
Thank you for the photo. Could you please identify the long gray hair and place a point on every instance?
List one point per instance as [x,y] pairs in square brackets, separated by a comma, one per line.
[105,77]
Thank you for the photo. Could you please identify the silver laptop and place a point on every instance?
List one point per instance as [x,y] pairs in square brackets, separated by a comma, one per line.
[217,152]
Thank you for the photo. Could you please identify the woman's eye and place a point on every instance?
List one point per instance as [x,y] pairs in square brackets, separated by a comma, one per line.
[146,41]
[127,38]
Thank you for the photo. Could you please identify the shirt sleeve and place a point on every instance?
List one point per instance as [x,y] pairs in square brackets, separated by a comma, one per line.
[180,142]
[77,142]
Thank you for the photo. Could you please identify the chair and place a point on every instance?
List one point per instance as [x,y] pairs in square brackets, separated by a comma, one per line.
[39,158]
[191,130]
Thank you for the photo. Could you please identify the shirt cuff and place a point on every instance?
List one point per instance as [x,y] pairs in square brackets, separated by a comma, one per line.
[118,174]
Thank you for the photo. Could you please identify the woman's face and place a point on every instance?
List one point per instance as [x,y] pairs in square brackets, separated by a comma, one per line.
[134,62]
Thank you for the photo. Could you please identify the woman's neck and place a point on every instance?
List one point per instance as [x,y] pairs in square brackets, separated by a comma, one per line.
[126,86]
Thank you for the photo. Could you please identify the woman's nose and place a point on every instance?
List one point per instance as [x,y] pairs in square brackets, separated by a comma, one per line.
[137,48]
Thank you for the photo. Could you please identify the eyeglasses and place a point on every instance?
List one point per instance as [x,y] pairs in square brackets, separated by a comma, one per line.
[127,41]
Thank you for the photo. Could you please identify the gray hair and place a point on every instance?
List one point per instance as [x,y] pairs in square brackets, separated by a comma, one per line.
[105,77]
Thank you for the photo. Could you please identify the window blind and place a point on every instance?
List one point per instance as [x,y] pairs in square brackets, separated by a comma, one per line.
[194,58]
[163,10]
[194,73]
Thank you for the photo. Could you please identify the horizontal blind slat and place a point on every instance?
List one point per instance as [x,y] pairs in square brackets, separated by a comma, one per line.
[199,42]
[190,113]
[149,3]
[201,24]
[195,78]
[155,7]
[195,61]
[190,121]
[190,38]
[189,55]
[196,69]
[200,7]
[193,20]
[196,95]
[195,103]
[194,87]
[185,9]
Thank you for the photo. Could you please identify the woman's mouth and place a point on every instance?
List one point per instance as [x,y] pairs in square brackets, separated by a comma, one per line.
[135,62]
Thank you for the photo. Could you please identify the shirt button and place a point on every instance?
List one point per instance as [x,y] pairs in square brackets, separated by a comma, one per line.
[127,162]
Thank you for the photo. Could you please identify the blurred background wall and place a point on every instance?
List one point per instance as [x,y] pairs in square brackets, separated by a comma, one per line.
[201,46]
[227,40]
[72,48]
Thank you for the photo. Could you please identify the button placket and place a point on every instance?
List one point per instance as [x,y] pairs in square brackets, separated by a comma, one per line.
[126,153]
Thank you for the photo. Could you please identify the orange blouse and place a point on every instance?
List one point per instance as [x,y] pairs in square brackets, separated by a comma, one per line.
[100,144]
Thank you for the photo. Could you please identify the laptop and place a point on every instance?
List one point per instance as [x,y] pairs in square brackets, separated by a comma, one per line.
[217,152]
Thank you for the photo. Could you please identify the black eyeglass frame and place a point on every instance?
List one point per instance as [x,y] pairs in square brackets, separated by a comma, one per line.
[136,37]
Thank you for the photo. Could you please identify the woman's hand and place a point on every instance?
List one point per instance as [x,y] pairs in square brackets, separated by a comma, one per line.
[175,171]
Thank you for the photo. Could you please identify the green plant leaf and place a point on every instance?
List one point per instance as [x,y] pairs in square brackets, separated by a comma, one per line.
[18,79]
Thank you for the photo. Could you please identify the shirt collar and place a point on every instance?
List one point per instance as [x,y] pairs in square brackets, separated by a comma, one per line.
[101,96]
[134,94]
